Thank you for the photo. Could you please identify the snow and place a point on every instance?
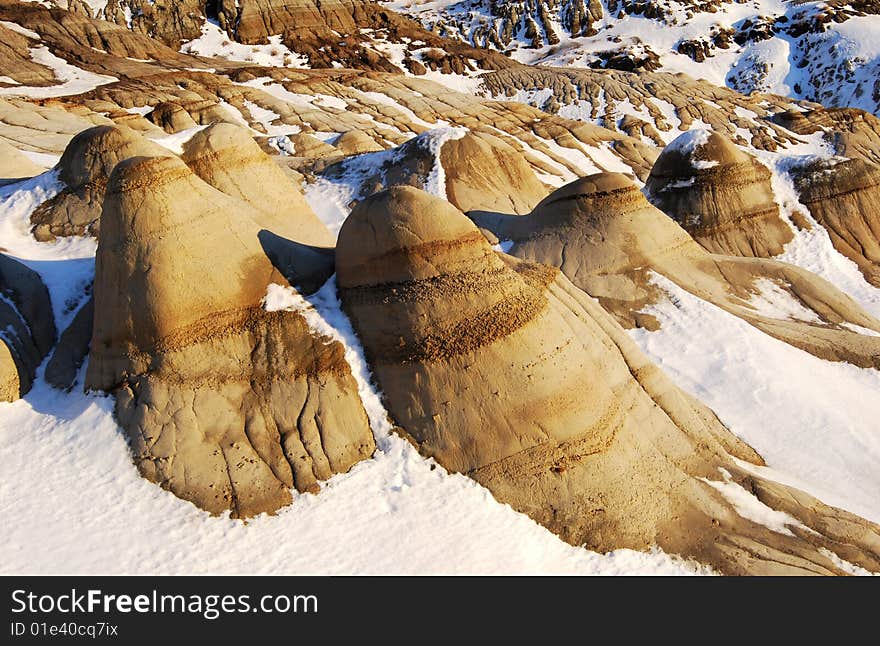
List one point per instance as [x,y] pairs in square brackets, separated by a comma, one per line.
[267,118]
[24,31]
[175,142]
[774,302]
[214,42]
[66,265]
[72,80]
[80,507]
[836,66]
[687,144]
[749,507]
[813,421]
[813,249]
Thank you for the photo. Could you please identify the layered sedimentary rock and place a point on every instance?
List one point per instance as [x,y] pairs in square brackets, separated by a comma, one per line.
[844,197]
[719,194]
[85,168]
[610,242]
[224,403]
[27,327]
[355,142]
[506,372]
[226,157]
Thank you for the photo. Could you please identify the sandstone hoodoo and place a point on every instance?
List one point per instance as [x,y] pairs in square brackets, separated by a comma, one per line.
[224,403]
[843,195]
[27,327]
[611,242]
[504,371]
[721,195]
[85,168]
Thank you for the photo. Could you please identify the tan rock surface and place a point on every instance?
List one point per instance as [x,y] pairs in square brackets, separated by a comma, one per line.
[85,168]
[14,165]
[227,158]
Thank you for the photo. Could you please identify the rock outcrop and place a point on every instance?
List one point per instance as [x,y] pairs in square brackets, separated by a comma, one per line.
[610,242]
[475,170]
[719,194]
[850,132]
[506,372]
[14,165]
[85,168]
[844,197]
[27,327]
[224,403]
[72,348]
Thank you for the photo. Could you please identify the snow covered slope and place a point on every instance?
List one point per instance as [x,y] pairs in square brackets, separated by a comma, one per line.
[825,52]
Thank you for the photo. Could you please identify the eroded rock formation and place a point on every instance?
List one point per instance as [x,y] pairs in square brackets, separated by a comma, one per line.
[85,168]
[610,241]
[27,327]
[844,197]
[506,372]
[719,194]
[224,403]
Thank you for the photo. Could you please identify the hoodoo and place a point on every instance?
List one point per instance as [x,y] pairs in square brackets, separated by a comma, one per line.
[721,195]
[843,195]
[85,168]
[504,371]
[224,403]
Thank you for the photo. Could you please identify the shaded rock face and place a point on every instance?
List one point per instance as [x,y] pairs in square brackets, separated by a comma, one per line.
[27,327]
[844,197]
[506,372]
[85,168]
[610,242]
[225,404]
[72,348]
[171,117]
[720,195]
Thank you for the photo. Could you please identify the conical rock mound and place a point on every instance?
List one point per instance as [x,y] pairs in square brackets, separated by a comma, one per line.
[721,195]
[226,157]
[85,168]
[224,403]
[844,197]
[609,240]
[504,371]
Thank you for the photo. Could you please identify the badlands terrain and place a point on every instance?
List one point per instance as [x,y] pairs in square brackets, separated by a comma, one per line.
[440,287]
